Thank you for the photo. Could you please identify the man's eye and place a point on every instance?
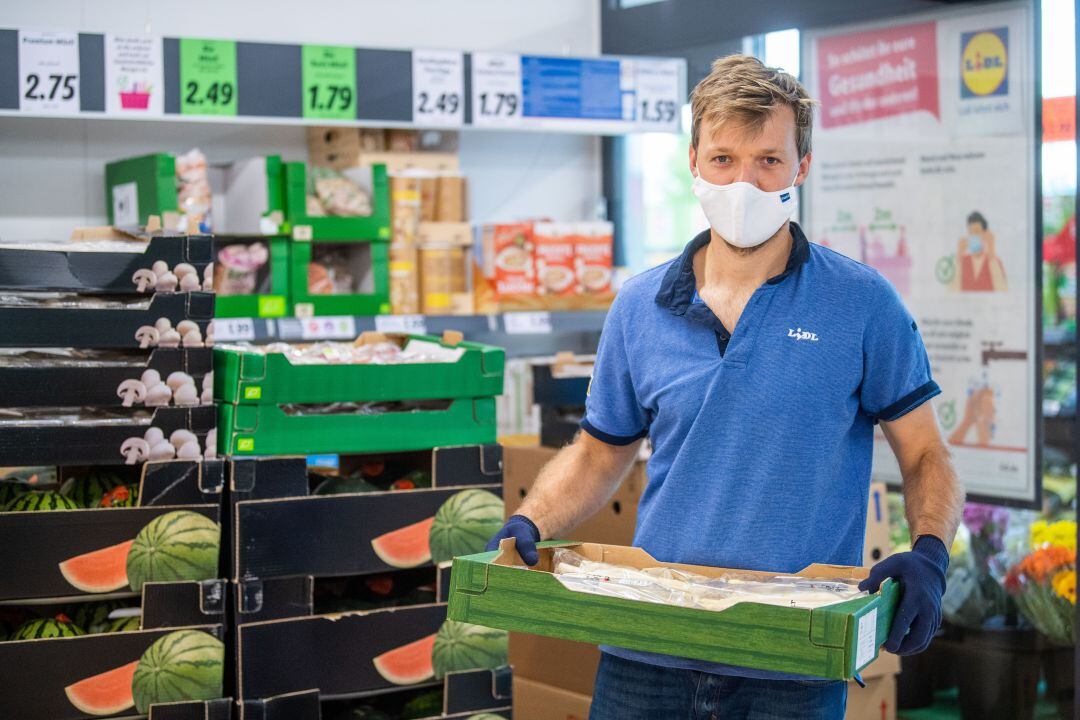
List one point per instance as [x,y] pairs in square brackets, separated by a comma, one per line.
[721,158]
[771,161]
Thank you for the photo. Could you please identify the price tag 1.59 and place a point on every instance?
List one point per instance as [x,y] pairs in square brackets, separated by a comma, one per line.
[408,324]
[48,71]
[438,87]
[527,323]
[207,77]
[329,77]
[658,101]
[496,89]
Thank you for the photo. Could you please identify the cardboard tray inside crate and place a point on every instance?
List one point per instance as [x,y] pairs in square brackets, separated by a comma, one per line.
[832,642]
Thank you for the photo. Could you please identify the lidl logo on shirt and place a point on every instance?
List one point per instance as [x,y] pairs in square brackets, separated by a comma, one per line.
[984,62]
[784,197]
[799,334]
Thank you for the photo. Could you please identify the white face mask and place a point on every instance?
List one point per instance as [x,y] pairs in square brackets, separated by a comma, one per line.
[742,213]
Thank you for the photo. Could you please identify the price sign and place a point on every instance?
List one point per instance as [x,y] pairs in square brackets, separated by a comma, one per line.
[408,324]
[496,89]
[233,329]
[328,327]
[658,94]
[329,77]
[438,87]
[134,75]
[48,71]
[527,323]
[208,77]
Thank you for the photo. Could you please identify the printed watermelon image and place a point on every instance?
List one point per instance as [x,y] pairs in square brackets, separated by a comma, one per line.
[98,571]
[41,501]
[464,524]
[60,626]
[463,646]
[105,694]
[405,547]
[179,545]
[87,490]
[10,490]
[408,664]
[183,665]
[94,617]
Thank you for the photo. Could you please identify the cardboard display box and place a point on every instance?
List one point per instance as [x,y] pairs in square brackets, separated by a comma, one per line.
[69,268]
[269,377]
[829,642]
[91,326]
[877,701]
[98,381]
[373,227]
[269,285]
[269,430]
[140,187]
[536,701]
[44,439]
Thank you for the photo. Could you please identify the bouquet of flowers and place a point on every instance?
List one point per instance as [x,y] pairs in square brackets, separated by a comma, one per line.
[1044,582]
[974,593]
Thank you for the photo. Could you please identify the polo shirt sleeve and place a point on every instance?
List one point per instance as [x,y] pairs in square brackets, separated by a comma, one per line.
[896,369]
[612,412]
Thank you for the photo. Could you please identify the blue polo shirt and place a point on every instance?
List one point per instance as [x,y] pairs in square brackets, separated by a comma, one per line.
[762,435]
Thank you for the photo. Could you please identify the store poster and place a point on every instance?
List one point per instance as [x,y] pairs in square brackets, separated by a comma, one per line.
[134,78]
[923,168]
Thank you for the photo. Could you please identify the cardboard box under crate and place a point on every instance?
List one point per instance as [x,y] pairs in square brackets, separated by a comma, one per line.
[71,267]
[831,642]
[258,377]
[269,430]
[269,296]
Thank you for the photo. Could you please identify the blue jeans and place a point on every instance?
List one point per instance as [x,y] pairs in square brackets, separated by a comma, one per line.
[629,690]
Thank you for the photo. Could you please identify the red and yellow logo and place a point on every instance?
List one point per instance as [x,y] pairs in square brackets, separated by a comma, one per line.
[984,63]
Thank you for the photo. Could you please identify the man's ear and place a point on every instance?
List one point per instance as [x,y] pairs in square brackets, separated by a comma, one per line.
[804,169]
[693,160]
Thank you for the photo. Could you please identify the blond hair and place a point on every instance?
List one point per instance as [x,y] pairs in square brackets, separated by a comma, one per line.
[743,89]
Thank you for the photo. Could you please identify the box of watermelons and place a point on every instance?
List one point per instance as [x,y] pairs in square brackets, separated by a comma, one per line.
[830,630]
[104,532]
[105,436]
[49,320]
[376,513]
[108,261]
[68,377]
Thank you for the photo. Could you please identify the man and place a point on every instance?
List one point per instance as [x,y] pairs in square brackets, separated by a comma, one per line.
[758,365]
[981,269]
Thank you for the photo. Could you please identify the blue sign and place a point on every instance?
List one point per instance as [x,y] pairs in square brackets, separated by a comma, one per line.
[571,88]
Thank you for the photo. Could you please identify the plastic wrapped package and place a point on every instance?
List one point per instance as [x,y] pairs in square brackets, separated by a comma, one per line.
[193,193]
[339,353]
[670,586]
[70,300]
[237,269]
[69,357]
[339,195]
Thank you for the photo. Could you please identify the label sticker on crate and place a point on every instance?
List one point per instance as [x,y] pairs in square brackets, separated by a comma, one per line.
[253,393]
[867,644]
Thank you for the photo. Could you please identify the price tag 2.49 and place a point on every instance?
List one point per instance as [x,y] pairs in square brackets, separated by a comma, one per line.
[496,89]
[438,87]
[208,77]
[48,71]
[329,77]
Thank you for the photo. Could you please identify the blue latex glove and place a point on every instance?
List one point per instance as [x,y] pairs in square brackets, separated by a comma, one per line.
[525,535]
[921,573]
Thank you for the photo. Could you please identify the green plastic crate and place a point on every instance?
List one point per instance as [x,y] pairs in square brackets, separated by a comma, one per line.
[267,430]
[257,378]
[832,642]
[154,178]
[377,302]
[271,305]
[374,227]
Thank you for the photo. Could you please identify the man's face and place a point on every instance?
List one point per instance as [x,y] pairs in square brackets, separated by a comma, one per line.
[975,229]
[765,156]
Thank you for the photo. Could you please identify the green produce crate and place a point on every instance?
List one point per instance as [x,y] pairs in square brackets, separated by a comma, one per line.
[374,302]
[258,378]
[268,430]
[271,305]
[154,181]
[832,642]
[344,229]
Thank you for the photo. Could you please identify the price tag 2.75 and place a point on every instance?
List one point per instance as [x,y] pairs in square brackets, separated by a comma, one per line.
[48,71]
[438,87]
[329,78]
[208,77]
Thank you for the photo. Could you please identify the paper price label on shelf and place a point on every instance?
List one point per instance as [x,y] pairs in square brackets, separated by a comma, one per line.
[409,324]
[207,77]
[48,71]
[527,323]
[438,87]
[329,327]
[233,329]
[496,89]
[329,73]
[134,75]
[658,103]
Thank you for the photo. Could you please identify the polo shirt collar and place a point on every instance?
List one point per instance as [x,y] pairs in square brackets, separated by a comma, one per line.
[678,288]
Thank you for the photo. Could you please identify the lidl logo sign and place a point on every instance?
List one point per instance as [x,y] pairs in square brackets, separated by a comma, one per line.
[245,444]
[984,63]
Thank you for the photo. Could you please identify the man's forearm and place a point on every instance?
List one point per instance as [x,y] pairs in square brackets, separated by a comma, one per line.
[933,496]
[576,483]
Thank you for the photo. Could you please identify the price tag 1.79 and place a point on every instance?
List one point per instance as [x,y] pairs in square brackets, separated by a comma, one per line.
[527,323]
[329,78]
[438,87]
[233,329]
[658,100]
[496,89]
[207,77]
[407,324]
[48,71]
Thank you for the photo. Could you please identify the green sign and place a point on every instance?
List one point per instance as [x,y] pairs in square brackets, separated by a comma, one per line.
[207,77]
[329,77]
[271,305]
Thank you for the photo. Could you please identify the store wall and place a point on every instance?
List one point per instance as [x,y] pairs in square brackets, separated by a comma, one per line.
[51,171]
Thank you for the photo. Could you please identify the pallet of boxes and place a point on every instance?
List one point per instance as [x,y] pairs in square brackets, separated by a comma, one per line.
[544,690]
[111,602]
[357,471]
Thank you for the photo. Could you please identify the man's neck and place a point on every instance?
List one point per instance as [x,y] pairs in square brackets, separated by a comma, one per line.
[720,264]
